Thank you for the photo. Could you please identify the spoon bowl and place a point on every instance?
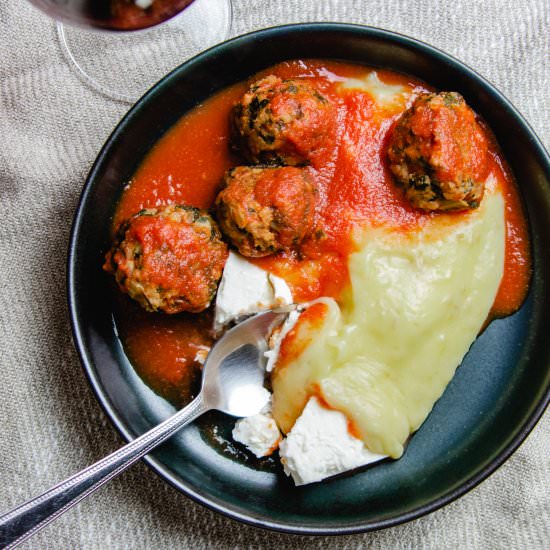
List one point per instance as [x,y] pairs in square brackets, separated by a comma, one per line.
[234,372]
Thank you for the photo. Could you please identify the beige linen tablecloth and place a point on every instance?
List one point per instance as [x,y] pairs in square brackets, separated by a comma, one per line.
[51,128]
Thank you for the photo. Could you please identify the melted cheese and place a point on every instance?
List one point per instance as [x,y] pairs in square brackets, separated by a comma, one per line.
[385,96]
[417,302]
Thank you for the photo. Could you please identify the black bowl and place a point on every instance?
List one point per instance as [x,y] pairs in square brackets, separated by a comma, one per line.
[497,395]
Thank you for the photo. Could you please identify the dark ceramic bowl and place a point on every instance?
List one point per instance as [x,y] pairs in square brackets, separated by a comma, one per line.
[497,395]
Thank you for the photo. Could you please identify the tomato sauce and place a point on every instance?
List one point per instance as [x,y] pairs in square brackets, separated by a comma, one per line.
[164,349]
[517,259]
[292,346]
[355,188]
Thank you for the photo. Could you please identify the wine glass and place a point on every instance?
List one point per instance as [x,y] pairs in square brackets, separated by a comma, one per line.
[120,48]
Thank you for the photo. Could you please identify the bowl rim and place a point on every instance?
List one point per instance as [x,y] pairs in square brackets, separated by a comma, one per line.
[87,361]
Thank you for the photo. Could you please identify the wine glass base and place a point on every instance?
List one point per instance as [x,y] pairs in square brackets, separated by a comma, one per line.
[124,65]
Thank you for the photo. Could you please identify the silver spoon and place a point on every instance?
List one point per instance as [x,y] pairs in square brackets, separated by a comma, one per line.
[232,382]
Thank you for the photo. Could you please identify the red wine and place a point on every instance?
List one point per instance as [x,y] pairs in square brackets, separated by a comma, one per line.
[112,14]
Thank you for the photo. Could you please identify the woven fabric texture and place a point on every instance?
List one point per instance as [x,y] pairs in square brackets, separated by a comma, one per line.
[52,126]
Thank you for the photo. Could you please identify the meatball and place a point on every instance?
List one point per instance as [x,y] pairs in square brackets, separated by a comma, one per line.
[438,152]
[282,122]
[264,210]
[168,260]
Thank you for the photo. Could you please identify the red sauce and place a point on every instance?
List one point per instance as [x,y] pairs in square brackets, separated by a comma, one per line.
[355,187]
[292,347]
[162,348]
[517,260]
[186,166]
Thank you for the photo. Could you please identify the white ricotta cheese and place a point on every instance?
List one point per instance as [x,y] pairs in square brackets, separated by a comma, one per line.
[246,289]
[275,344]
[320,446]
[384,95]
[259,433]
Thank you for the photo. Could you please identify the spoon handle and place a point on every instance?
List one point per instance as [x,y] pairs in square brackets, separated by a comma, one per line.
[22,522]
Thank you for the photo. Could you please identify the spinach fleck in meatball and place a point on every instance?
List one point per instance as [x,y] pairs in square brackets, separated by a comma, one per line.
[264,210]
[282,122]
[438,152]
[168,260]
